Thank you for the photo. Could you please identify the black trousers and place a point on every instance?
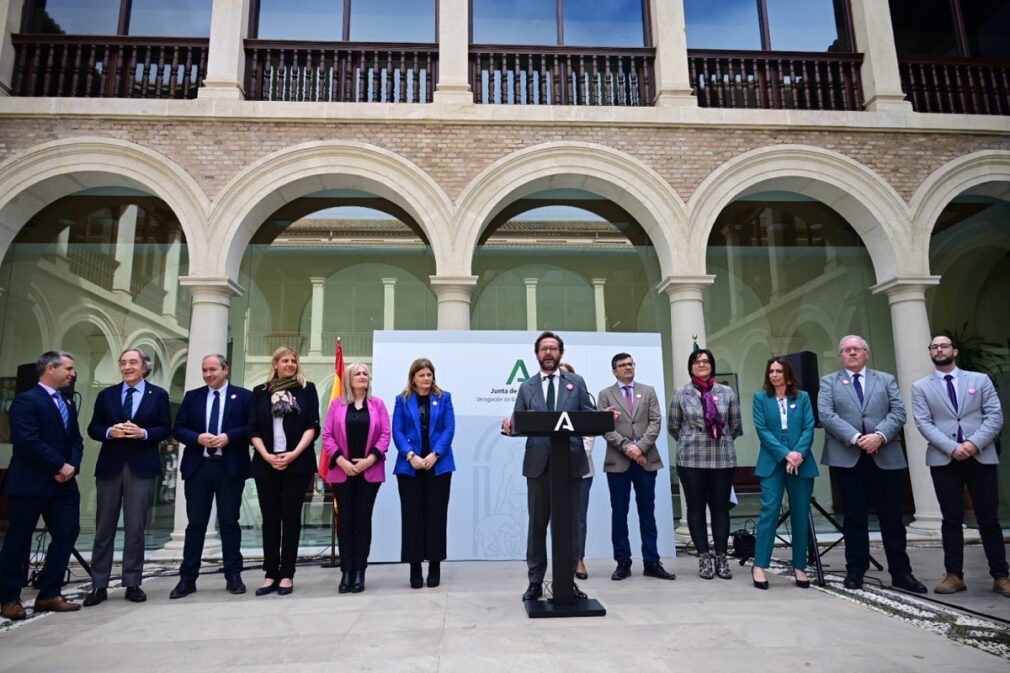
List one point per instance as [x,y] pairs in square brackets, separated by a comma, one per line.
[61,514]
[707,488]
[424,509]
[949,482]
[211,482]
[355,500]
[281,495]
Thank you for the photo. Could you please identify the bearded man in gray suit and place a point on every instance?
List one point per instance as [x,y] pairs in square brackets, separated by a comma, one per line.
[862,413]
[959,414]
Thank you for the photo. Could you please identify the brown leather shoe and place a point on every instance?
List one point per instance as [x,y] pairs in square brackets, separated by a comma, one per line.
[13,610]
[1001,585]
[950,584]
[55,604]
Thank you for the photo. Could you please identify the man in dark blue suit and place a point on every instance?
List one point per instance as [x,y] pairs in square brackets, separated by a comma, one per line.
[41,481]
[212,424]
[130,420]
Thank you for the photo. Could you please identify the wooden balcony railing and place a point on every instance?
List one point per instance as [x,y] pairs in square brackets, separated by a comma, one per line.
[95,267]
[562,76]
[344,72]
[776,80]
[148,294]
[108,66]
[969,86]
[265,343]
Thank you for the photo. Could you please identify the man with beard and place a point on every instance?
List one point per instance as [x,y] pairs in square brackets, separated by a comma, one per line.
[959,414]
[549,390]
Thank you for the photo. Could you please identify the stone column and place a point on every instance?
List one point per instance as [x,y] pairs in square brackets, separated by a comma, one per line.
[208,334]
[10,22]
[229,26]
[63,243]
[316,317]
[453,86]
[669,36]
[126,233]
[171,280]
[871,22]
[600,304]
[687,324]
[388,303]
[453,293]
[910,327]
[531,303]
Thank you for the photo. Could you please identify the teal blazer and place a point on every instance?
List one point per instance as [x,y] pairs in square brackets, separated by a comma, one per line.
[799,435]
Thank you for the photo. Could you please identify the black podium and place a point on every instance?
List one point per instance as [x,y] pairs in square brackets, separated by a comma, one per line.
[559,426]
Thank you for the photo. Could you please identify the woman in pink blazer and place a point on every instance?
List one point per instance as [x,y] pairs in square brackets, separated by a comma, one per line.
[355,439]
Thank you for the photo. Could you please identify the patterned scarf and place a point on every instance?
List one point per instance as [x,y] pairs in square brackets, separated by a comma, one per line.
[282,400]
[714,425]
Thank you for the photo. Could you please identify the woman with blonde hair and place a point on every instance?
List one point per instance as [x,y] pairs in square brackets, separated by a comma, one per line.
[355,439]
[423,428]
[283,427]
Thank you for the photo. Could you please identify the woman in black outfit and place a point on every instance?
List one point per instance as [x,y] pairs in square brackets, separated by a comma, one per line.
[283,427]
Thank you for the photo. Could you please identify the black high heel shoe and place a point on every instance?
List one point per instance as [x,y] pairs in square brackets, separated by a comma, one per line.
[802,584]
[434,574]
[758,585]
[416,577]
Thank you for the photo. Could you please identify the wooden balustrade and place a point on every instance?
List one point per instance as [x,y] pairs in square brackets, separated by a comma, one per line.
[562,76]
[776,80]
[969,86]
[344,72]
[108,66]
[95,267]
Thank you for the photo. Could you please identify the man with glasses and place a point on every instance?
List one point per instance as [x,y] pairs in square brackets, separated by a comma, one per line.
[632,460]
[862,413]
[959,414]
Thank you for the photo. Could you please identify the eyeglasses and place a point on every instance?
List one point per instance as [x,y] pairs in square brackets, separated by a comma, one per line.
[852,349]
[939,347]
[625,365]
[699,361]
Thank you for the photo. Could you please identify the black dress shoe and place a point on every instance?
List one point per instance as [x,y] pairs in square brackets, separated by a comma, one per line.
[416,576]
[285,591]
[136,594]
[621,572]
[434,574]
[758,584]
[909,583]
[234,585]
[184,588]
[358,582]
[534,591]
[577,593]
[95,597]
[853,582]
[345,582]
[658,571]
[268,589]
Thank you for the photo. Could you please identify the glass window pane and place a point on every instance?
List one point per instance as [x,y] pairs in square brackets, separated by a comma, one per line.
[181,18]
[728,24]
[923,28]
[804,25]
[321,20]
[76,17]
[988,28]
[393,21]
[604,23]
[515,22]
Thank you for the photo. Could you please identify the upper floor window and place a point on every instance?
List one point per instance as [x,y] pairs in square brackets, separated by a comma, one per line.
[596,23]
[769,25]
[150,18]
[344,20]
[952,28]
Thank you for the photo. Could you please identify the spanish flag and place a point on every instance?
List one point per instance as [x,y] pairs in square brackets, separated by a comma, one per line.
[338,375]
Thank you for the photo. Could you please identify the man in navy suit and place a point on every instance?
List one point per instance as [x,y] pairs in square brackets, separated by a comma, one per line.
[549,390]
[130,420]
[212,424]
[41,481]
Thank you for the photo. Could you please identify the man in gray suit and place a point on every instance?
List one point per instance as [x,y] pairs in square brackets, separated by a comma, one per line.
[862,413]
[959,414]
[549,390]
[632,459]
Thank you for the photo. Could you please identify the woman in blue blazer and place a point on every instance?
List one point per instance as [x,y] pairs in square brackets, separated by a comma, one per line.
[423,426]
[784,420]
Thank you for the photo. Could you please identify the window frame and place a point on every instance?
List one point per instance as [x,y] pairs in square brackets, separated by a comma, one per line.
[122,26]
[765,31]
[560,18]
[345,29]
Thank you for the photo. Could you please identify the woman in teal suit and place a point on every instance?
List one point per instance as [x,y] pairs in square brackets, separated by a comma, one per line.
[784,420]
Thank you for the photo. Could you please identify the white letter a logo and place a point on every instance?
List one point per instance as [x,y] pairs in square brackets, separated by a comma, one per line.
[564,423]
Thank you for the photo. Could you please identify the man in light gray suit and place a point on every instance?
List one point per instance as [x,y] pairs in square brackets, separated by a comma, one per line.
[550,389]
[632,460]
[862,413]
[959,414]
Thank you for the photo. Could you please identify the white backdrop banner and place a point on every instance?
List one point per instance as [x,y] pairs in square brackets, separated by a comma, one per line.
[483,371]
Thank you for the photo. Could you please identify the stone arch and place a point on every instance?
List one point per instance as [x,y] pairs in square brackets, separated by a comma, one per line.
[88,314]
[874,209]
[155,347]
[283,176]
[604,171]
[36,177]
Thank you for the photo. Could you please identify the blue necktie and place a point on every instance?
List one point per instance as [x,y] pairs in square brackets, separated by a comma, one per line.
[64,412]
[213,426]
[128,403]
[858,386]
[952,394]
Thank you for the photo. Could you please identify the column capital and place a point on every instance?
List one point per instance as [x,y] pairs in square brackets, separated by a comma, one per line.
[679,288]
[906,288]
[599,282]
[450,284]
[388,281]
[212,288]
[317,280]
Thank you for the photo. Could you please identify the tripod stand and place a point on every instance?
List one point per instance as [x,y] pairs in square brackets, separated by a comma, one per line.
[813,552]
[36,568]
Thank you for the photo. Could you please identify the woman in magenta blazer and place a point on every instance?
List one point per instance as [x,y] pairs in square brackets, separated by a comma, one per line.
[355,439]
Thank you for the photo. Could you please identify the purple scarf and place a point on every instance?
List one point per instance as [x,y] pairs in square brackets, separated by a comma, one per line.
[714,424]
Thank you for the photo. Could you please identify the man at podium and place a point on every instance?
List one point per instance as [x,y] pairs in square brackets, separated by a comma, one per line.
[549,390]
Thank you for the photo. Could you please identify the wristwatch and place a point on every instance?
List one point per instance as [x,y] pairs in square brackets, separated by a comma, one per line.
[410,456]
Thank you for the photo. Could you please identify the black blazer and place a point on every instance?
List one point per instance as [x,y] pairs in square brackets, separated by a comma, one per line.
[41,445]
[261,424]
[153,414]
[191,422]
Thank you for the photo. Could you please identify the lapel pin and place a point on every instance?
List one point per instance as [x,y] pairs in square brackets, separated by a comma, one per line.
[434,403]
[233,396]
[972,391]
[792,406]
[715,397]
[569,386]
[639,395]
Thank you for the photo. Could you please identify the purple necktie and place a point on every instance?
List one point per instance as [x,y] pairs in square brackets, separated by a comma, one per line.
[952,394]
[628,398]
